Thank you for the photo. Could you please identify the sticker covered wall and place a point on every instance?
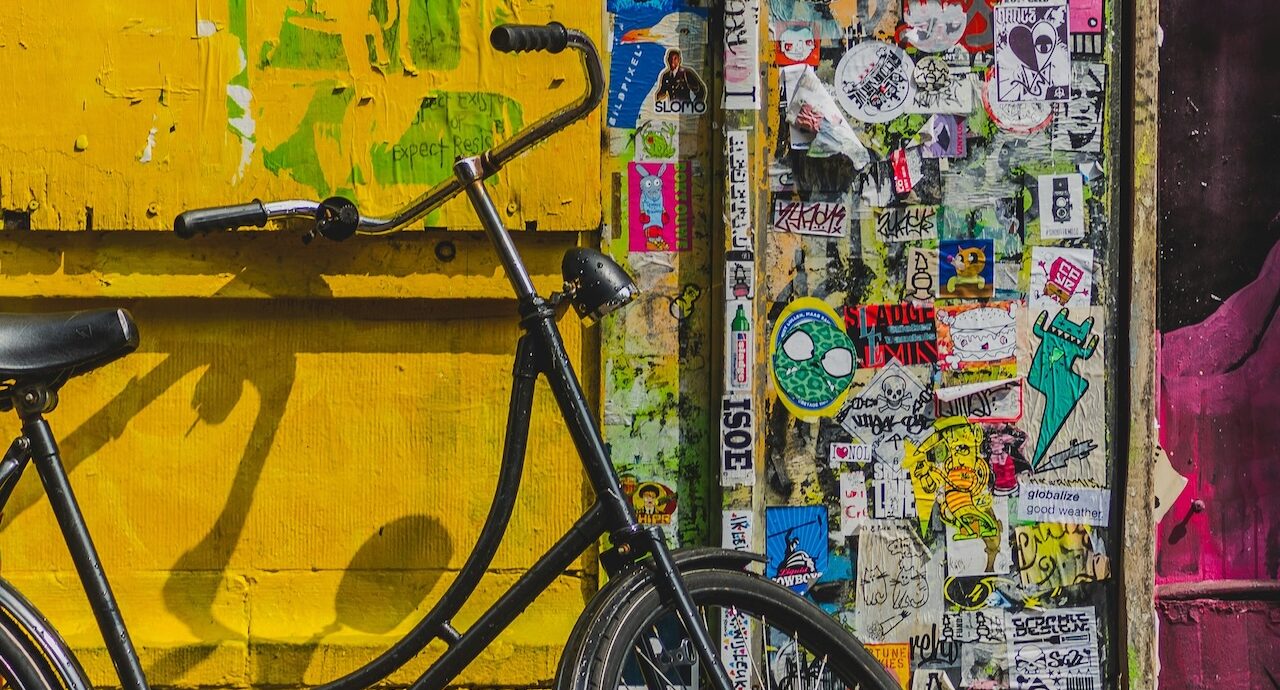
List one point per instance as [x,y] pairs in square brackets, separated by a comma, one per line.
[963,461]
[660,412]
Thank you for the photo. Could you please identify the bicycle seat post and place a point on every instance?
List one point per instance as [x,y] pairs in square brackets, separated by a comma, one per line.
[471,172]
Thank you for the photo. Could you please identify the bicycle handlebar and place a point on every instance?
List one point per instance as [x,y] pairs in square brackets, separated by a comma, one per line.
[552,38]
[190,223]
[518,38]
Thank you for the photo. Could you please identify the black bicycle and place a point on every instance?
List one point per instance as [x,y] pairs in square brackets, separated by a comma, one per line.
[685,618]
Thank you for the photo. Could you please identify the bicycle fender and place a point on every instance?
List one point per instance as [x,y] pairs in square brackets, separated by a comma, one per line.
[572,672]
[41,634]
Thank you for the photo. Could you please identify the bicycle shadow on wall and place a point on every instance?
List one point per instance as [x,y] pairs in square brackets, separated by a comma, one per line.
[414,548]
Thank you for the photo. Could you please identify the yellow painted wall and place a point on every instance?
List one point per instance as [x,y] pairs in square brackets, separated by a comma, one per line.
[295,463]
[200,102]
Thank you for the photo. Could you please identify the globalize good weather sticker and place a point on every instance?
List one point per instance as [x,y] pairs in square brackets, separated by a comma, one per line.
[811,358]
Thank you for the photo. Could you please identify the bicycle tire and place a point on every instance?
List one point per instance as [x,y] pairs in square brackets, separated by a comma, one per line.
[643,643]
[24,663]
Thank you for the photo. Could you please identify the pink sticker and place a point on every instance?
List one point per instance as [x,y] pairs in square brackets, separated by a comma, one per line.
[902,182]
[657,212]
[1085,17]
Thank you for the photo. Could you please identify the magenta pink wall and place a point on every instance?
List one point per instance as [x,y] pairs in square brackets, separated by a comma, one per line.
[1219,360]
[1219,401]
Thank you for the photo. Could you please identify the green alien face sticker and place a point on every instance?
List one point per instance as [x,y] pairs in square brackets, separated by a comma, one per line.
[811,358]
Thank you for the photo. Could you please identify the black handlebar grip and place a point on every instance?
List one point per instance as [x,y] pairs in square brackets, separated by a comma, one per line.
[518,38]
[203,220]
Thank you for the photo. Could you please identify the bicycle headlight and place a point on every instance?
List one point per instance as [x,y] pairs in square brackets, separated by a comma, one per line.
[595,283]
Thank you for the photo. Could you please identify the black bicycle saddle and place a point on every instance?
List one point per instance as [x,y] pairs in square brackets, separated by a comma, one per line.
[41,348]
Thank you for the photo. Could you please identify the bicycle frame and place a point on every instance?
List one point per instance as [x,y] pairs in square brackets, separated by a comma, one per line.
[540,351]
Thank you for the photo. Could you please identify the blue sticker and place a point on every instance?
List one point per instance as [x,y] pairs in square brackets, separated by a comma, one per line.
[659,51]
[796,545]
[966,268]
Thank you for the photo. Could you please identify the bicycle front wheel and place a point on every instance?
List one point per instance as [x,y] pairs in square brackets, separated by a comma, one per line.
[772,639]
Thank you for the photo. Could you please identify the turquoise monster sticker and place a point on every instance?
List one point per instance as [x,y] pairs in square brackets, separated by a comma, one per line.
[1052,373]
[811,359]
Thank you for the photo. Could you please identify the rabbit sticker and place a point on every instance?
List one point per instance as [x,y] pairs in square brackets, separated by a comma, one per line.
[656,219]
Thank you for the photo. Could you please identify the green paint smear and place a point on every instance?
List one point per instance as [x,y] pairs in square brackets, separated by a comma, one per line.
[390,35]
[434,34]
[297,154]
[238,26]
[447,125]
[300,47]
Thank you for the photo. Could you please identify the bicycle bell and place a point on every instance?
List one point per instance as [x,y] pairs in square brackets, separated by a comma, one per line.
[595,283]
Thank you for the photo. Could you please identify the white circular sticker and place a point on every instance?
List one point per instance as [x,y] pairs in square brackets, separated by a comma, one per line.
[873,81]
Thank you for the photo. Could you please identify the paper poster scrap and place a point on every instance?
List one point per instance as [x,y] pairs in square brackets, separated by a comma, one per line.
[940,88]
[884,332]
[738,206]
[984,401]
[737,441]
[1052,555]
[657,141]
[1086,22]
[811,358]
[933,26]
[1067,504]
[817,125]
[906,223]
[658,51]
[1002,445]
[976,639]
[655,503]
[1061,199]
[1055,650]
[1168,485]
[892,407]
[944,136]
[741,54]
[841,453]
[737,529]
[658,211]
[819,218]
[796,545]
[948,464]
[921,283]
[1060,277]
[739,274]
[735,647]
[1077,124]
[986,556]
[797,44]
[1053,374]
[894,656]
[874,81]
[891,493]
[680,90]
[977,335]
[1032,58]
[966,268]
[899,586]
[931,679]
[984,646]
[739,347]
[1021,117]
[853,502]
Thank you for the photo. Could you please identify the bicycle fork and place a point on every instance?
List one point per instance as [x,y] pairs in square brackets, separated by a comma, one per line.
[632,540]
